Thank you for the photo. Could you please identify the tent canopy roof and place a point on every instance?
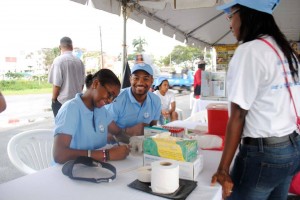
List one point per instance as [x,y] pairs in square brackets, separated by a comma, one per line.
[196,22]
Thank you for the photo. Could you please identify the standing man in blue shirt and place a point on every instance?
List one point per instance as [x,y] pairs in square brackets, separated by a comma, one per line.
[136,106]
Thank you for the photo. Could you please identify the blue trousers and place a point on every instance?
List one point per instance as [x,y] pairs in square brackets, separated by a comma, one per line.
[55,107]
[264,172]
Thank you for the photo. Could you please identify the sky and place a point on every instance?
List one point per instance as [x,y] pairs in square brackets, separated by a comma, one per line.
[27,25]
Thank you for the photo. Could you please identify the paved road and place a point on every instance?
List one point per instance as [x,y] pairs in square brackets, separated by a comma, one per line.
[26,112]
[24,109]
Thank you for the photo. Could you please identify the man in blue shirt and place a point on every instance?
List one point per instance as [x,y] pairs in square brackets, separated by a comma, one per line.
[136,107]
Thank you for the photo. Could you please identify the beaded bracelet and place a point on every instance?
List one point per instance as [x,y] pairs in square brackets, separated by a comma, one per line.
[104,155]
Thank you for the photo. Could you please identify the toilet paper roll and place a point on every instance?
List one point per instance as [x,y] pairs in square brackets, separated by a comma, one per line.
[164,177]
[144,174]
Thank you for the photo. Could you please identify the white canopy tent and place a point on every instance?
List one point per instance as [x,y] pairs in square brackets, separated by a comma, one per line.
[196,22]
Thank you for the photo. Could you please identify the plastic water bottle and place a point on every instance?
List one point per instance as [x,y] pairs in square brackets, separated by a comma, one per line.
[166,120]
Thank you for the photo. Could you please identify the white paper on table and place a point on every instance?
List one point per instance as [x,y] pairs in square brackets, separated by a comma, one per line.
[189,125]
[207,192]
[131,162]
[209,141]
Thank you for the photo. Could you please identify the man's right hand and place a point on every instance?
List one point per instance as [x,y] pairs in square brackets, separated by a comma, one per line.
[135,130]
[119,152]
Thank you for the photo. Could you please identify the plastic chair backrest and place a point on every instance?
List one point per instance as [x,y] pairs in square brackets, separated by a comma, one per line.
[180,113]
[31,151]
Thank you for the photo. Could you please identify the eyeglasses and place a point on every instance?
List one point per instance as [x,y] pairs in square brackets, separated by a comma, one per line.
[230,15]
[111,97]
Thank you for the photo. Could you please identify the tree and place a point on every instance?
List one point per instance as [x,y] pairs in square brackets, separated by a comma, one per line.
[30,67]
[166,60]
[184,53]
[29,56]
[131,57]
[92,54]
[14,75]
[139,44]
[96,58]
[50,54]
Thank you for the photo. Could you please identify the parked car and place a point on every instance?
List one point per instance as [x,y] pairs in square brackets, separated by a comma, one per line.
[179,82]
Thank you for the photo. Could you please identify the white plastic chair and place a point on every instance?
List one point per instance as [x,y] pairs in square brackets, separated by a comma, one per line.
[180,113]
[192,100]
[31,151]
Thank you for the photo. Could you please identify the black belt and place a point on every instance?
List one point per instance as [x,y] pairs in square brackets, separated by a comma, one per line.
[269,140]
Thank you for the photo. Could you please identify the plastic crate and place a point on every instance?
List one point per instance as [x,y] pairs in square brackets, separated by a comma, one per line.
[175,131]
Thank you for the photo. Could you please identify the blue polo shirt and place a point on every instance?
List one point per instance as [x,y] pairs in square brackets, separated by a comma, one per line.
[127,111]
[76,120]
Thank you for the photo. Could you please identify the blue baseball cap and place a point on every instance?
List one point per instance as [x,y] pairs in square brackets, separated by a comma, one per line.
[267,6]
[160,80]
[142,66]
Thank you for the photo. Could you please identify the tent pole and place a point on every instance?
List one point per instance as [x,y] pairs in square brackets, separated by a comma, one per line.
[124,56]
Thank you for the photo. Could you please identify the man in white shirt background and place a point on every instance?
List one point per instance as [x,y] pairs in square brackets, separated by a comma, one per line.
[67,75]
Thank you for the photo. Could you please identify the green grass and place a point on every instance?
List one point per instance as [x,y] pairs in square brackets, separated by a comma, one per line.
[27,91]
[19,87]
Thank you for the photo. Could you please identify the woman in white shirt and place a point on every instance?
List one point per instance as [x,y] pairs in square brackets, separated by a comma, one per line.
[167,98]
[262,123]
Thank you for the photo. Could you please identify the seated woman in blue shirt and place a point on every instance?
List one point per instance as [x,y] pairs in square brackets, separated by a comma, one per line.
[82,123]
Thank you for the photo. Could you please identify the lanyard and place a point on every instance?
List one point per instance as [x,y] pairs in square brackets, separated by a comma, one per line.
[286,79]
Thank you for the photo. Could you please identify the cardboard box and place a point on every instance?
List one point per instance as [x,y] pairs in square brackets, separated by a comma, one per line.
[171,147]
[187,170]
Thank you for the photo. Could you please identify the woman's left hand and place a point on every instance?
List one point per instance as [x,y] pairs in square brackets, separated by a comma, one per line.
[223,177]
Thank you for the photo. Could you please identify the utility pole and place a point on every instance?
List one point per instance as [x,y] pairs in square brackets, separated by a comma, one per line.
[101,52]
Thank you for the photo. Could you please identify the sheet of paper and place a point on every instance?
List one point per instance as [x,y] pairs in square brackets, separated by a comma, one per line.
[188,125]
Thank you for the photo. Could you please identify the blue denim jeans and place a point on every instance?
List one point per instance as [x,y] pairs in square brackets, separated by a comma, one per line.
[265,172]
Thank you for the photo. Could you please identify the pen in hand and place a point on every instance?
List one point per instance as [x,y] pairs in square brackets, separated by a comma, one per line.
[117,141]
